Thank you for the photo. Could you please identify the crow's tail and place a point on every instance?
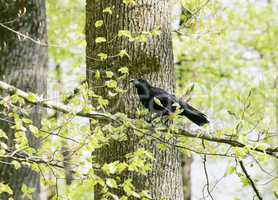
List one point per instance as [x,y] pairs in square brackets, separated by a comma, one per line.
[193,114]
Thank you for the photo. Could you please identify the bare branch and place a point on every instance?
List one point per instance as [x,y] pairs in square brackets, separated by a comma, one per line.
[206,173]
[27,37]
[250,180]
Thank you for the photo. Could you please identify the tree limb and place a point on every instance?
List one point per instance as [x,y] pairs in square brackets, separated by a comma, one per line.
[54,105]
[234,143]
[207,185]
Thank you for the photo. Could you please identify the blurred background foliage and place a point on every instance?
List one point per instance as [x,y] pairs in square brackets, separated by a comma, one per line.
[231,53]
[227,49]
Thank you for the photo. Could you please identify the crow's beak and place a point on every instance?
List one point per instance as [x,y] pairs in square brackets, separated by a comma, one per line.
[134,81]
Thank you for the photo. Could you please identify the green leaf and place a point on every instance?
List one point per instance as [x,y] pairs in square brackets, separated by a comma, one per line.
[111,84]
[100,39]
[3,134]
[128,187]
[4,188]
[32,97]
[146,194]
[2,151]
[102,56]
[123,70]
[239,152]
[26,120]
[155,32]
[34,130]
[16,164]
[21,139]
[109,74]
[161,147]
[124,198]
[107,10]
[244,181]
[124,33]
[141,38]
[102,102]
[123,53]
[98,23]
[97,75]
[121,167]
[157,101]
[230,170]
[3,145]
[129,2]
[111,183]
[27,191]
[136,195]
[14,98]
[276,194]
[35,167]
[109,168]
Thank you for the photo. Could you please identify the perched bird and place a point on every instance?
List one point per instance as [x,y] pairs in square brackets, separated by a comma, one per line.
[159,101]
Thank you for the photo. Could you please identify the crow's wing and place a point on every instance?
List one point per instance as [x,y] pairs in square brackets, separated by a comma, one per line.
[167,100]
[193,114]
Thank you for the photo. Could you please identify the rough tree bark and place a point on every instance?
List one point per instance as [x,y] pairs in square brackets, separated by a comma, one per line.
[186,176]
[152,60]
[23,64]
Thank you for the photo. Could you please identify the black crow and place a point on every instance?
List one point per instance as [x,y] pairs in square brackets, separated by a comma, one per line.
[159,101]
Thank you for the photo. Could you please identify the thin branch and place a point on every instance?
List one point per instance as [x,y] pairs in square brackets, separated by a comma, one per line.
[28,37]
[206,172]
[250,180]
[186,147]
[270,151]
[22,157]
[262,169]
[44,131]
[54,105]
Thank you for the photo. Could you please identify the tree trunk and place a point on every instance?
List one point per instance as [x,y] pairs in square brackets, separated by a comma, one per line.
[23,63]
[186,176]
[152,60]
